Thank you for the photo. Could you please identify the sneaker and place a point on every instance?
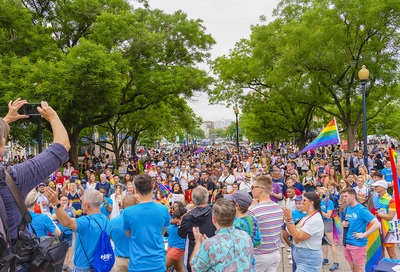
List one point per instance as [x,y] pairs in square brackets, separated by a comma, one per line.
[325,262]
[334,267]
[289,249]
[290,262]
[289,256]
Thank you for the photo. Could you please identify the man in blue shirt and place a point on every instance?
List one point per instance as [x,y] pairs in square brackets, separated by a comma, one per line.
[357,218]
[106,206]
[88,228]
[388,174]
[145,224]
[117,234]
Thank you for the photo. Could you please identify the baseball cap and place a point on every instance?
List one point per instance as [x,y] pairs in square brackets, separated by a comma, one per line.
[298,198]
[241,197]
[75,172]
[381,183]
[118,184]
[41,184]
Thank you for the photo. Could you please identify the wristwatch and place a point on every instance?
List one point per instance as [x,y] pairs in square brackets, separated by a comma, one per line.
[57,206]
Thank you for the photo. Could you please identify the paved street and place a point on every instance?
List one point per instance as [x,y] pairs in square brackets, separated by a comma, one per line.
[344,266]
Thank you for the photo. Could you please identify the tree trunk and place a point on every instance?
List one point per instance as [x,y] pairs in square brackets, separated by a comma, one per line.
[351,136]
[116,147]
[135,137]
[73,152]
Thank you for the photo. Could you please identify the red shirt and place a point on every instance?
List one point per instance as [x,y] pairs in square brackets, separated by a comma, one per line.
[60,180]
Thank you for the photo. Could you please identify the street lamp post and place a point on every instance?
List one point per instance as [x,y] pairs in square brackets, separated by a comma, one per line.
[363,74]
[237,129]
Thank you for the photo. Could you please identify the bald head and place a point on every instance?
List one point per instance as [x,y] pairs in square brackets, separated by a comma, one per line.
[129,200]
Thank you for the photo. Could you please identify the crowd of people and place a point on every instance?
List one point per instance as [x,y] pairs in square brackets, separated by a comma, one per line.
[210,211]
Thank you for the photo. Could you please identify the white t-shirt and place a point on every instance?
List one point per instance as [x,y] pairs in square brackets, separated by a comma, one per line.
[314,226]
[245,186]
[230,179]
[291,204]
[363,192]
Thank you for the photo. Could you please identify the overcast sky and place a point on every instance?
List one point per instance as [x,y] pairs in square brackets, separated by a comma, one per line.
[227,22]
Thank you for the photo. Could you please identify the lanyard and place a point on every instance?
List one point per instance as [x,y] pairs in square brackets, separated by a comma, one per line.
[305,221]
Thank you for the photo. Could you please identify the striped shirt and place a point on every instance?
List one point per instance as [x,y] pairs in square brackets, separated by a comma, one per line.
[270,218]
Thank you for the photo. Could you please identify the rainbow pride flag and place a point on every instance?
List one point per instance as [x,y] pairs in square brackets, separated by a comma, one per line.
[164,187]
[374,247]
[396,185]
[337,228]
[329,135]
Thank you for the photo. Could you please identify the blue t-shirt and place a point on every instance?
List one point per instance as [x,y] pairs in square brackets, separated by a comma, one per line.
[327,205]
[297,216]
[106,184]
[358,218]
[87,237]
[146,222]
[173,238]
[42,224]
[299,187]
[103,209]
[117,233]
[61,227]
[388,174]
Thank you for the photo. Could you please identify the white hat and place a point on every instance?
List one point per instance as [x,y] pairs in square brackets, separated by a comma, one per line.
[381,183]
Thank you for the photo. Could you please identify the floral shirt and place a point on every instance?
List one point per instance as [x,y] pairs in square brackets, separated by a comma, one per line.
[229,250]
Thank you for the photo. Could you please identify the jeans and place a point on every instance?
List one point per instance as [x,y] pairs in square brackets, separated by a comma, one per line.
[267,262]
[307,260]
[79,269]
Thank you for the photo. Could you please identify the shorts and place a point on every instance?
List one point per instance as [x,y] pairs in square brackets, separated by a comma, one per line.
[355,254]
[388,245]
[175,253]
[328,226]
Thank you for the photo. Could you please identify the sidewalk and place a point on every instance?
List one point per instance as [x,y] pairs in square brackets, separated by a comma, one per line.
[344,266]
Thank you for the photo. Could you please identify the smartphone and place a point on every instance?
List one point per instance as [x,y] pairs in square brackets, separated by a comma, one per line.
[30,109]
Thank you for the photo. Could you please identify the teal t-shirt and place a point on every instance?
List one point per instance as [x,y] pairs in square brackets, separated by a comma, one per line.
[146,222]
[87,237]
[358,218]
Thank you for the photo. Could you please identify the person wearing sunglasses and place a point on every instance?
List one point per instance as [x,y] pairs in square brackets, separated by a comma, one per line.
[270,218]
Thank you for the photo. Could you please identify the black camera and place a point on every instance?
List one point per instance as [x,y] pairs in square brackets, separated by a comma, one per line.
[30,109]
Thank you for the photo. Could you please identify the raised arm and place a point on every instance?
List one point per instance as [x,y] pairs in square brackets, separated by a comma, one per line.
[60,134]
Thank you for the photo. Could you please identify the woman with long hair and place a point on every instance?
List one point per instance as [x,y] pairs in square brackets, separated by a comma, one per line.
[309,181]
[331,177]
[327,209]
[91,183]
[178,194]
[307,234]
[127,178]
[122,170]
[363,172]
[239,175]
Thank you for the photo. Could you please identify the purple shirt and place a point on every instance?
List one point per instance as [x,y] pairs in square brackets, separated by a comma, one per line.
[277,190]
[28,175]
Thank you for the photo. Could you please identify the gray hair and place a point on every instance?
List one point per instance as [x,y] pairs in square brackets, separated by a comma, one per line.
[94,197]
[276,171]
[200,195]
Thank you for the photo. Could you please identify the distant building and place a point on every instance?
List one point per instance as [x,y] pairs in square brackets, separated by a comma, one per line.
[206,126]
[222,124]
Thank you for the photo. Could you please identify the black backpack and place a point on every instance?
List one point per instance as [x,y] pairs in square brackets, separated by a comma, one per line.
[48,255]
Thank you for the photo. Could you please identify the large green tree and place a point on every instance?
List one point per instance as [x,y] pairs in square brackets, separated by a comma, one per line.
[106,59]
[315,50]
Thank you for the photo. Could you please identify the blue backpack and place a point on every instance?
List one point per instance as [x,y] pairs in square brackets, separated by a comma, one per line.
[104,258]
